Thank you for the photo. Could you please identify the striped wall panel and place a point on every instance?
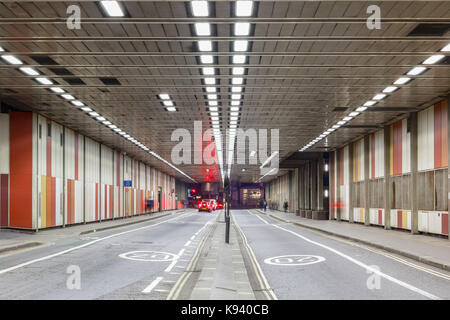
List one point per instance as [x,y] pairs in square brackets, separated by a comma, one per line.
[400,148]
[49,173]
[4,170]
[376,216]
[118,184]
[92,182]
[433,222]
[376,155]
[358,160]
[432,137]
[358,215]
[401,219]
[344,184]
[74,177]
[106,186]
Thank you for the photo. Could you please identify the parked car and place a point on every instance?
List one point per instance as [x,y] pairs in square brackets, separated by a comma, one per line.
[219,205]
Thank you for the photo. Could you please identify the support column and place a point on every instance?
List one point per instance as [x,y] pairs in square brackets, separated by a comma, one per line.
[448,148]
[387,177]
[295,206]
[314,185]
[308,186]
[366,179]
[414,174]
[338,199]
[350,181]
[320,171]
[301,188]
[331,186]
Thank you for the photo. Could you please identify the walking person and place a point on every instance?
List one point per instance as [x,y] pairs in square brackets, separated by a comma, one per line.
[285,206]
[265,205]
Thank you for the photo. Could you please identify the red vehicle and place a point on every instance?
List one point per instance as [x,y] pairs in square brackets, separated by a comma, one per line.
[205,205]
[219,205]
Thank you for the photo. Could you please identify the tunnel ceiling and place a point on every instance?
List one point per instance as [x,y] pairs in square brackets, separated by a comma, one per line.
[310,63]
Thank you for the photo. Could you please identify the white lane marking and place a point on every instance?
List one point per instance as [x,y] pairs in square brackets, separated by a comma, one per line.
[259,217]
[85,245]
[361,264]
[187,243]
[193,237]
[152,285]
[174,262]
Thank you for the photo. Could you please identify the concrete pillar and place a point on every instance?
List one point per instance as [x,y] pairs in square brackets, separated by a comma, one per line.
[332,187]
[320,171]
[295,205]
[350,179]
[308,186]
[448,148]
[366,179]
[387,178]
[414,174]
[301,187]
[338,185]
[313,185]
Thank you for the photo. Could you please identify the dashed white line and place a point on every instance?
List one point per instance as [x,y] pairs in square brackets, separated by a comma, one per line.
[187,243]
[152,285]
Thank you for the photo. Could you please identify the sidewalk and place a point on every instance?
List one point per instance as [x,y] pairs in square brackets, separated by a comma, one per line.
[426,249]
[11,240]
[223,275]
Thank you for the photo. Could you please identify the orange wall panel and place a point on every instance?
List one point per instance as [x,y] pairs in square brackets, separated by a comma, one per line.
[21,168]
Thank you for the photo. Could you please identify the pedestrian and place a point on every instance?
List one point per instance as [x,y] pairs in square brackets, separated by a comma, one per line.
[265,205]
[285,206]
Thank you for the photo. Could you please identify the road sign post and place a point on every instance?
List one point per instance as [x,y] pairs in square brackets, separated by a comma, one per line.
[227,209]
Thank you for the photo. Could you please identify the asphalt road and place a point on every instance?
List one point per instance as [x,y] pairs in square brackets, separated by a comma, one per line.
[142,261]
[338,269]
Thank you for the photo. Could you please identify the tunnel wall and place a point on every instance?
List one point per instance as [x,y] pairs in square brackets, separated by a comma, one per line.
[59,177]
[387,196]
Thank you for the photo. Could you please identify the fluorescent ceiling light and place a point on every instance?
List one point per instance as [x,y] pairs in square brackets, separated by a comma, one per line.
[416,71]
[233,122]
[29,71]
[240,45]
[235,103]
[199,8]
[234,114]
[42,80]
[347,118]
[237,80]
[57,90]
[353,114]
[94,114]
[361,109]
[68,96]
[113,126]
[211,89]
[234,108]
[202,28]
[236,89]
[336,126]
[402,80]
[208,71]
[379,96]
[390,89]
[215,118]
[210,80]
[236,96]
[212,102]
[119,130]
[238,71]
[213,109]
[112,8]
[433,59]
[214,114]
[233,118]
[369,103]
[168,103]
[164,96]
[86,109]
[212,96]
[239,59]
[171,109]
[205,45]
[244,8]
[106,122]
[100,118]
[2,50]
[446,48]
[241,29]
[206,59]
[77,103]
[341,123]
[11,59]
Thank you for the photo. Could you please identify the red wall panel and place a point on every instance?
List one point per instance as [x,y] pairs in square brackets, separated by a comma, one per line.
[21,169]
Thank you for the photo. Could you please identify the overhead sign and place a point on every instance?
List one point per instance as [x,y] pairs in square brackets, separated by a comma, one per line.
[294,260]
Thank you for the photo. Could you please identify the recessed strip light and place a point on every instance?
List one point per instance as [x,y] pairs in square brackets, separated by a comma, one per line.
[164,96]
[57,90]
[200,8]
[202,28]
[244,8]
[68,96]
[240,45]
[402,80]
[204,45]
[43,80]
[390,89]
[241,29]
[77,103]
[206,59]
[416,71]
[11,59]
[29,71]
[434,59]
[446,48]
[112,8]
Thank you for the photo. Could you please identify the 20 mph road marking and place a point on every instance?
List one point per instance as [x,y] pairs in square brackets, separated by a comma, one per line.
[359,263]
[86,244]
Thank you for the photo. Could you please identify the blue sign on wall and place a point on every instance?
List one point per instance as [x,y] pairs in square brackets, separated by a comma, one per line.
[127,183]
